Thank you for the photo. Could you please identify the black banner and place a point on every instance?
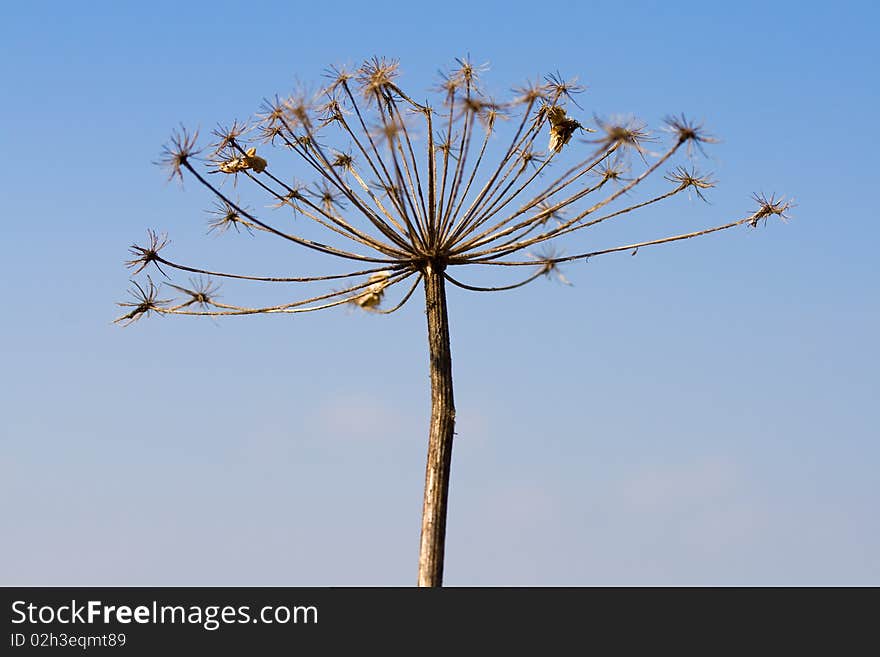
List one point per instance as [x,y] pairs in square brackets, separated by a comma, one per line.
[244,621]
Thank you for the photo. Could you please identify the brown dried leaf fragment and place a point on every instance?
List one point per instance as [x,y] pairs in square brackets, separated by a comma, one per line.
[372,296]
[562,127]
[239,163]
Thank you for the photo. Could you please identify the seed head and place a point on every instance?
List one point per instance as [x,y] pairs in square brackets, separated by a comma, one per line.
[269,133]
[144,255]
[690,178]
[202,293]
[546,259]
[376,77]
[530,92]
[146,300]
[343,161]
[767,207]
[294,193]
[272,112]
[328,197]
[298,108]
[228,137]
[224,217]
[180,149]
[338,76]
[559,88]
[532,157]
[627,132]
[690,132]
[467,72]
[611,170]
[548,211]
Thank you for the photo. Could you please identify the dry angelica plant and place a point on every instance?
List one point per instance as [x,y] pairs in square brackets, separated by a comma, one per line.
[409,191]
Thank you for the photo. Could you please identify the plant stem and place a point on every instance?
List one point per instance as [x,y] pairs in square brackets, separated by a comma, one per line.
[441,432]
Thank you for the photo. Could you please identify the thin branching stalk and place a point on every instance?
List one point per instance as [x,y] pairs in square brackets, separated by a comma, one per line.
[410,187]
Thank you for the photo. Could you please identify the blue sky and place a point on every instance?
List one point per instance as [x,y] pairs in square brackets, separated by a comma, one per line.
[704,413]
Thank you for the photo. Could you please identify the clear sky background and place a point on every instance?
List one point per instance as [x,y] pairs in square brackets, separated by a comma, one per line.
[703,413]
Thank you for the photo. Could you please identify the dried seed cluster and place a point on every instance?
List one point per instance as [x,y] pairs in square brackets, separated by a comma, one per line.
[404,184]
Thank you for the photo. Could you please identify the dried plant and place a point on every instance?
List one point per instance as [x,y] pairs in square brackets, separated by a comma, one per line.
[411,190]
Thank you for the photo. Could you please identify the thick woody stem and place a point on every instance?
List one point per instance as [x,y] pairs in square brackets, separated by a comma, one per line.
[441,433]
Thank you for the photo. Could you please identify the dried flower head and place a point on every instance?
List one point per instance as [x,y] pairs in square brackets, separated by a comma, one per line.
[690,132]
[272,112]
[409,186]
[548,259]
[228,137]
[298,108]
[269,133]
[448,85]
[389,131]
[628,132]
[611,169]
[202,293]
[468,73]
[338,76]
[529,93]
[445,195]
[331,111]
[144,255]
[448,147]
[329,198]
[146,300]
[691,179]
[471,104]
[768,207]
[559,88]
[376,77]
[528,156]
[179,151]
[225,216]
[342,161]
[548,211]
[490,113]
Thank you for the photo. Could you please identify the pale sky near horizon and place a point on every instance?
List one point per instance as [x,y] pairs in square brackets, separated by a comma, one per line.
[703,413]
